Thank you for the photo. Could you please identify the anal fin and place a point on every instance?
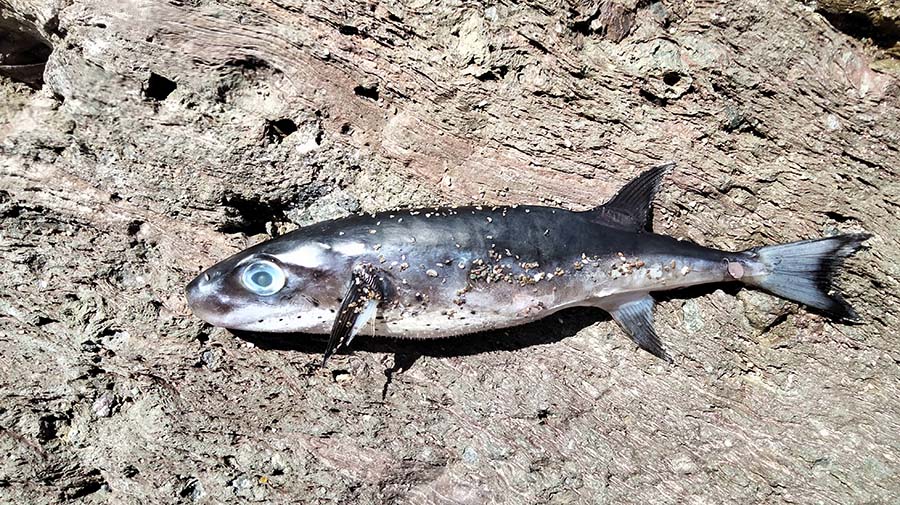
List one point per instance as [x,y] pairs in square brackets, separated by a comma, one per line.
[635,316]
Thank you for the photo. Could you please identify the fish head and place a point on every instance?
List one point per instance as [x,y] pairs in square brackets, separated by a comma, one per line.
[284,285]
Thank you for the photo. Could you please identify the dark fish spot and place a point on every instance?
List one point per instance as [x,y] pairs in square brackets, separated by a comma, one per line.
[260,321]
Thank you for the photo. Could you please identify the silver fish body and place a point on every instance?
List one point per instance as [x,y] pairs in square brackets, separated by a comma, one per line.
[438,272]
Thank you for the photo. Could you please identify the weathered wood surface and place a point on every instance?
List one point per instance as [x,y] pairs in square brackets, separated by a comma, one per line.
[116,187]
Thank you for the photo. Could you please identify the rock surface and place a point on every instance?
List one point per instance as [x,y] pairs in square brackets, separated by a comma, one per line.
[145,139]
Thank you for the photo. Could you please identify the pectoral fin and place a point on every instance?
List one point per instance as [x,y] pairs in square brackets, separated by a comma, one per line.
[635,316]
[357,308]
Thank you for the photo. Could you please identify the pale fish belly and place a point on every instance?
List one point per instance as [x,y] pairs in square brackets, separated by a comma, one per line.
[490,307]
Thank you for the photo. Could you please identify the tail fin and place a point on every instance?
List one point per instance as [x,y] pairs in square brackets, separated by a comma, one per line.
[804,272]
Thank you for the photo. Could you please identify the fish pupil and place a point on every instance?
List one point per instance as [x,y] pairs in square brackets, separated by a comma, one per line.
[262,279]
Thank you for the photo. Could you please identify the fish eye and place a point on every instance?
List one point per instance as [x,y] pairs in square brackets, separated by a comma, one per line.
[263,278]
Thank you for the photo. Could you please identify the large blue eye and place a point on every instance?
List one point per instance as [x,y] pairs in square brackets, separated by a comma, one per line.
[263,277]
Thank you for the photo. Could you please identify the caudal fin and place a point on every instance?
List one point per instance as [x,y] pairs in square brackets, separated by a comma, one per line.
[804,272]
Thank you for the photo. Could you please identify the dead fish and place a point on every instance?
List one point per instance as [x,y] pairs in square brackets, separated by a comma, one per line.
[438,272]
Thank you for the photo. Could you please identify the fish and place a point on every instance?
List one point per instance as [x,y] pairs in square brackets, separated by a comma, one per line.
[444,271]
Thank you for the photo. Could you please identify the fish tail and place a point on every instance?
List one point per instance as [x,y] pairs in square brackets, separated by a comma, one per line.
[804,272]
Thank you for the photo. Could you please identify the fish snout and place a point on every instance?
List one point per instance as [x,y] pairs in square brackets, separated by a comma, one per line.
[203,296]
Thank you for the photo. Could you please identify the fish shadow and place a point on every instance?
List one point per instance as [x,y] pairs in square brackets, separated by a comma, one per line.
[406,352]
[553,328]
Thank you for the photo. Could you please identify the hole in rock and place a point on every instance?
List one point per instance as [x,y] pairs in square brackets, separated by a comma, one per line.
[370,92]
[23,53]
[158,87]
[671,78]
[277,130]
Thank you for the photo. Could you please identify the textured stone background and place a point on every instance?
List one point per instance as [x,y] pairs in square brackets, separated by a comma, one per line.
[143,140]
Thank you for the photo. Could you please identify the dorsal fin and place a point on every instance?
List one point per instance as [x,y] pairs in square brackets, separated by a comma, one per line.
[630,208]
